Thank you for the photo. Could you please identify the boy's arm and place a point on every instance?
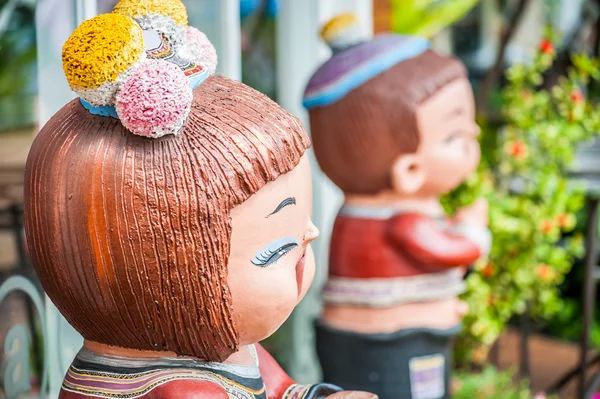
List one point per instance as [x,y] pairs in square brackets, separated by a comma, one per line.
[422,238]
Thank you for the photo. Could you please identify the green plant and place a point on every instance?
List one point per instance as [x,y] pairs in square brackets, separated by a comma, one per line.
[491,384]
[428,17]
[524,176]
[567,324]
[17,49]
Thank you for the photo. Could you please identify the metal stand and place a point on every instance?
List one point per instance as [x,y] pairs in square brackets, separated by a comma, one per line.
[524,367]
[592,275]
[591,278]
[494,356]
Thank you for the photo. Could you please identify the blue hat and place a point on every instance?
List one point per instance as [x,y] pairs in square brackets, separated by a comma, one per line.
[357,62]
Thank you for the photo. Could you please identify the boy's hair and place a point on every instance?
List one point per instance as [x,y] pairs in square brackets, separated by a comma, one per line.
[357,138]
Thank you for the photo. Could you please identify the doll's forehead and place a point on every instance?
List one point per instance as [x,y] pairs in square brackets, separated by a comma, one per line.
[450,111]
[451,100]
[279,210]
[292,188]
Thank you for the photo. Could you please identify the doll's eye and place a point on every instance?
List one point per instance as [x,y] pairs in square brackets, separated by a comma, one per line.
[268,258]
[452,137]
[274,251]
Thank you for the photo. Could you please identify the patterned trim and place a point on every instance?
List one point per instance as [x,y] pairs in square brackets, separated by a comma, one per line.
[165,50]
[111,385]
[296,391]
[392,291]
[380,212]
[192,69]
[119,365]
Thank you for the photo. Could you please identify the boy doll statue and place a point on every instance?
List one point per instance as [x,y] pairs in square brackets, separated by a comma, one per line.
[168,215]
[393,126]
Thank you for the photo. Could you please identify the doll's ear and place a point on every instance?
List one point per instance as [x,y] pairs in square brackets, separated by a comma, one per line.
[408,173]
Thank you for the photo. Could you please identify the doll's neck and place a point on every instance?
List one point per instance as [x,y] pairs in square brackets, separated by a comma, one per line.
[429,205]
[242,357]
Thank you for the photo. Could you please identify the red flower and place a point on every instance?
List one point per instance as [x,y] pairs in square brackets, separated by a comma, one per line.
[547,47]
[565,220]
[488,270]
[544,272]
[546,226]
[577,97]
[517,149]
[479,355]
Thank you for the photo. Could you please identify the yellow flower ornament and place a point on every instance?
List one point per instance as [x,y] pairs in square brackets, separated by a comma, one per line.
[173,9]
[140,64]
[98,55]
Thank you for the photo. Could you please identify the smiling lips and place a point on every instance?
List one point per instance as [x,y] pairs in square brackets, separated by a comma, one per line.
[300,271]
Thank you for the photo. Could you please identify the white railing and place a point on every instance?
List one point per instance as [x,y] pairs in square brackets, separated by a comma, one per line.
[299,52]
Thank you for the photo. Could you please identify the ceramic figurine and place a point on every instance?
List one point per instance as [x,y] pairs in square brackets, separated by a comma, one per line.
[168,215]
[393,127]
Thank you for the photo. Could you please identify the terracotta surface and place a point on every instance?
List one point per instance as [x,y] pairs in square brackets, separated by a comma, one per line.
[393,126]
[127,239]
[358,138]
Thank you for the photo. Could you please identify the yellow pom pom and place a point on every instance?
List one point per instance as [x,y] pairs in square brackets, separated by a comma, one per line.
[337,26]
[141,8]
[101,49]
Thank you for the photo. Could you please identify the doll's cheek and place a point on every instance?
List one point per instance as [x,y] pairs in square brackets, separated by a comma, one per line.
[262,309]
[309,272]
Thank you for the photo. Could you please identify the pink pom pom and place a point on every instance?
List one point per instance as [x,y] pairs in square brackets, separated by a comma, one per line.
[155,100]
[201,49]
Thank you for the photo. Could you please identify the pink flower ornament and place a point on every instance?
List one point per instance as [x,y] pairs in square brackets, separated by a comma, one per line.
[155,100]
[201,49]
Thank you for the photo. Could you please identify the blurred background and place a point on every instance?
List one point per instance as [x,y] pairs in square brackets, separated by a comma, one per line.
[533,329]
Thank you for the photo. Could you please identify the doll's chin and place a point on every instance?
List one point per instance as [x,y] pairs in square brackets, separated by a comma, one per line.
[263,327]
[454,184]
[266,335]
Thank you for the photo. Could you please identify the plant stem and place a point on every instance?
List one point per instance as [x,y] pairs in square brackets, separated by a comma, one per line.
[494,73]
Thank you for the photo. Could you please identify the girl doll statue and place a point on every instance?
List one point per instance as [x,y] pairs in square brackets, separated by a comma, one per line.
[168,216]
[393,126]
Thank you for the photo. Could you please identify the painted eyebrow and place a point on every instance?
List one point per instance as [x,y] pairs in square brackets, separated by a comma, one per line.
[286,202]
[455,112]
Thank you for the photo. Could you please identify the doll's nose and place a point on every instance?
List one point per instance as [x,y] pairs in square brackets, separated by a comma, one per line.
[311,234]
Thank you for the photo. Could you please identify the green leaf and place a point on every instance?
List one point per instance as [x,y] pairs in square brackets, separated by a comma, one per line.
[427,17]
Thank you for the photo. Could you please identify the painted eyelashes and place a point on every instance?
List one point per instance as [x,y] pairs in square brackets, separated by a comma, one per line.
[274,251]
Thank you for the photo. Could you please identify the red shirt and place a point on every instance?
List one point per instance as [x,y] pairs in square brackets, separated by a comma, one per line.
[406,244]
